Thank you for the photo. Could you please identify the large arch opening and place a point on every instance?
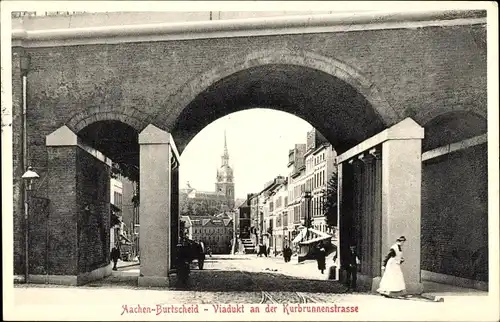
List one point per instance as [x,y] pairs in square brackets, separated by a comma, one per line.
[259,145]
[332,106]
[337,109]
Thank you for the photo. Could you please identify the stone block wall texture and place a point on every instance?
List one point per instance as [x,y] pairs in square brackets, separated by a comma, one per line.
[420,72]
[93,190]
[454,233]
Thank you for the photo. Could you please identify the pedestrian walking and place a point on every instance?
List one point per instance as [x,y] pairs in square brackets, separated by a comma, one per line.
[350,265]
[183,261]
[392,281]
[115,255]
[321,258]
[201,254]
[287,253]
[262,250]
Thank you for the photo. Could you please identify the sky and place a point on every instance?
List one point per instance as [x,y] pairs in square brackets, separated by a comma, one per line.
[258,142]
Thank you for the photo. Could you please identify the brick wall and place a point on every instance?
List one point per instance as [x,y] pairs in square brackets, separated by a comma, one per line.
[17,109]
[93,190]
[455,214]
[63,247]
[39,210]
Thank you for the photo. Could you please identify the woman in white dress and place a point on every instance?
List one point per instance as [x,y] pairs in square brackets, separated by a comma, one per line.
[393,280]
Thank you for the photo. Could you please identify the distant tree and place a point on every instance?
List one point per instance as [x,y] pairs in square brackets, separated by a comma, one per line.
[126,170]
[330,202]
[187,208]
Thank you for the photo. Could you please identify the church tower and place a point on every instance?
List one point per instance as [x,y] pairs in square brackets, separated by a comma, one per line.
[225,180]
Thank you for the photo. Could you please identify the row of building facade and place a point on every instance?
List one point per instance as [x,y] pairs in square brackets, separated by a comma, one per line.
[124,228]
[216,232]
[279,212]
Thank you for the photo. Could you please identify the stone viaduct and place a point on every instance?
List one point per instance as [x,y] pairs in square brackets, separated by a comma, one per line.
[407,90]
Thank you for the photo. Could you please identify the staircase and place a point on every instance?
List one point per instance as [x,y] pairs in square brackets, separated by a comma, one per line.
[248,245]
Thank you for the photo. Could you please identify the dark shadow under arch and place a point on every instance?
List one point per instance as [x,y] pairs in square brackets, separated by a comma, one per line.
[115,139]
[332,106]
[452,127]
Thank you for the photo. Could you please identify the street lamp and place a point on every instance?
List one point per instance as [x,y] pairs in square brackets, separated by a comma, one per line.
[29,178]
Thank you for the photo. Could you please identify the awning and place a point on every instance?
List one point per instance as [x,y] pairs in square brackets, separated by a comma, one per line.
[319,232]
[115,208]
[114,218]
[299,237]
[314,240]
[126,239]
[319,236]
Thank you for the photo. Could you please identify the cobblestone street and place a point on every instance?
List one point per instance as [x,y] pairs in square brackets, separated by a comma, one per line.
[235,279]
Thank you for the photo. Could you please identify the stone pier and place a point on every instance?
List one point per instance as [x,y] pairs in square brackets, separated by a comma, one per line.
[157,157]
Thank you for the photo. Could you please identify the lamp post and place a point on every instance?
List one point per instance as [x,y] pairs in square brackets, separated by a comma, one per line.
[29,177]
[260,214]
[306,195]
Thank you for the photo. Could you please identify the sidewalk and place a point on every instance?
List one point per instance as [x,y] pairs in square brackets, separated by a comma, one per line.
[436,291]
[309,270]
[123,264]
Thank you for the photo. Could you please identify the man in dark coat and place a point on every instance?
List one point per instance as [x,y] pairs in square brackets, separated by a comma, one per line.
[350,265]
[115,255]
[287,254]
[321,258]
[183,260]
[201,254]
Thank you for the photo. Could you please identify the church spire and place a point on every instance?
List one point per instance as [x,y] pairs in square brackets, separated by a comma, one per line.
[226,153]
[225,156]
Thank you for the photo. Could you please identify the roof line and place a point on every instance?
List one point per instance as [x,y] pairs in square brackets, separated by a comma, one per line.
[338,22]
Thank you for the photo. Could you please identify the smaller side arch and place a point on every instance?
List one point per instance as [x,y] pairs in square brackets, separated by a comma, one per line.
[437,112]
[451,127]
[134,118]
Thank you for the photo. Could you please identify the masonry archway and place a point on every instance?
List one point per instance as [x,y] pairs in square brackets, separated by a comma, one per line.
[335,99]
[291,73]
